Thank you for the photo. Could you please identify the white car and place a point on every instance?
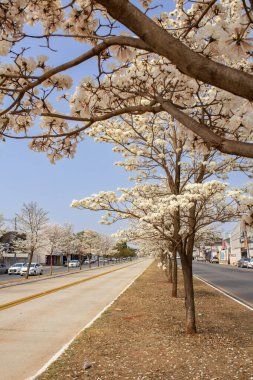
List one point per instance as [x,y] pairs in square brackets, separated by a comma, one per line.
[15,268]
[35,269]
[250,263]
[74,264]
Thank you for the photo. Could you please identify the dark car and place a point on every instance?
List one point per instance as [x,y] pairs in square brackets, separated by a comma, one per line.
[243,263]
[214,260]
[3,268]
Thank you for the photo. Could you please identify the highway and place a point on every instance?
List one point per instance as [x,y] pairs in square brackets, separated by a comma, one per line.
[37,319]
[236,281]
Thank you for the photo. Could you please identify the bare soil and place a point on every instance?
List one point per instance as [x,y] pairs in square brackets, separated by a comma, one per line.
[141,337]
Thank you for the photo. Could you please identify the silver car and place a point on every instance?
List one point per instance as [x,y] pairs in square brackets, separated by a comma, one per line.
[15,268]
[250,264]
[35,269]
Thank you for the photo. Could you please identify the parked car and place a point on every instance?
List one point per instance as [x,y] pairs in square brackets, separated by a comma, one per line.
[74,264]
[15,268]
[201,259]
[243,263]
[250,263]
[3,268]
[35,269]
[214,260]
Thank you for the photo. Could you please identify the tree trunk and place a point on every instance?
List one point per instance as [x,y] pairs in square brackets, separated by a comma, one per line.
[174,276]
[68,262]
[51,262]
[80,261]
[29,264]
[169,266]
[189,295]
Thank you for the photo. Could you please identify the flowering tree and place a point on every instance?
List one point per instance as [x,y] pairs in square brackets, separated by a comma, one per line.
[54,234]
[31,221]
[154,205]
[192,62]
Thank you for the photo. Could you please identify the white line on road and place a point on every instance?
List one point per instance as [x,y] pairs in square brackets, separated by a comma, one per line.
[234,298]
[65,347]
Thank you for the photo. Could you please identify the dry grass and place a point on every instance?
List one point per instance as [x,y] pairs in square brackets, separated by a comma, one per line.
[142,337]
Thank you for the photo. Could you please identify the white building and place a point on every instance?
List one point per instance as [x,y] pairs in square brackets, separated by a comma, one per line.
[241,244]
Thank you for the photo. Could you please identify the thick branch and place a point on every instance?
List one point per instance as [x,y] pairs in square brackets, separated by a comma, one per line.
[188,62]
[209,137]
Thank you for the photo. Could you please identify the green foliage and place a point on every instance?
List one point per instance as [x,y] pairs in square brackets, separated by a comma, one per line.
[123,250]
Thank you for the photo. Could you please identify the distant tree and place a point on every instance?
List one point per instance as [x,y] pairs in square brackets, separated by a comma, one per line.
[32,221]
[54,234]
[123,250]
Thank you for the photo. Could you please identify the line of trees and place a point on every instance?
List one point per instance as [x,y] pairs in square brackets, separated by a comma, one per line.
[180,192]
[35,235]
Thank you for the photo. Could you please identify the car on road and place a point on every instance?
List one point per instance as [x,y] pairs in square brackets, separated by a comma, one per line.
[15,268]
[243,262]
[250,263]
[74,264]
[214,260]
[201,259]
[35,269]
[3,268]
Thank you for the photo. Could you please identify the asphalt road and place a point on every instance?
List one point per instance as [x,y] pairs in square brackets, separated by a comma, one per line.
[33,331]
[236,281]
[46,270]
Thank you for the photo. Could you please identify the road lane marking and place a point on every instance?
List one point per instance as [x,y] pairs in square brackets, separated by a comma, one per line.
[8,305]
[225,292]
[66,346]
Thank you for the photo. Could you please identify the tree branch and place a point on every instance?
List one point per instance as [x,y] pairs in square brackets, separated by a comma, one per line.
[188,62]
[208,136]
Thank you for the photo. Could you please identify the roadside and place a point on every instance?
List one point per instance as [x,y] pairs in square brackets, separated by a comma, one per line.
[142,337]
[58,273]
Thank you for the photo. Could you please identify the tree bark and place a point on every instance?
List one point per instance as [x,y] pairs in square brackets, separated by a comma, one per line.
[190,327]
[174,276]
[222,144]
[169,266]
[51,262]
[29,264]
[187,61]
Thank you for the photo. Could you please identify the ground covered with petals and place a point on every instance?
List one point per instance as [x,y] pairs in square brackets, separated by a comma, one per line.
[142,337]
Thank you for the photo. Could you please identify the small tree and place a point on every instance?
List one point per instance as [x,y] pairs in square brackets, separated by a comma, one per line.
[31,221]
[54,234]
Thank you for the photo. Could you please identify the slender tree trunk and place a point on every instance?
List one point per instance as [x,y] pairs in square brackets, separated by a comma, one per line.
[80,261]
[68,262]
[189,295]
[169,266]
[51,262]
[98,261]
[29,265]
[174,275]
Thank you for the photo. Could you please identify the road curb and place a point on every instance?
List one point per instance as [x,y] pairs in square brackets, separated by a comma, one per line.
[225,293]
[66,346]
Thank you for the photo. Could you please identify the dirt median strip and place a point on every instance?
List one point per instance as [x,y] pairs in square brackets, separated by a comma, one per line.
[46,292]
[141,337]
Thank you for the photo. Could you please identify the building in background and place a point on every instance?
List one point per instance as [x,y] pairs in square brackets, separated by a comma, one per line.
[241,244]
[225,251]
